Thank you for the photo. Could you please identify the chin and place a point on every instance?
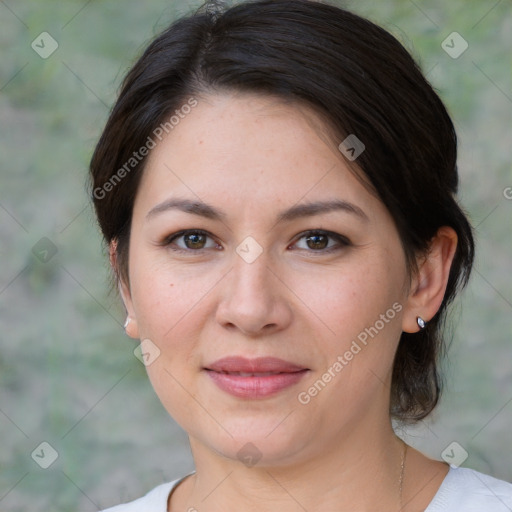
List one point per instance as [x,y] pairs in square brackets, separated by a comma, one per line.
[268,441]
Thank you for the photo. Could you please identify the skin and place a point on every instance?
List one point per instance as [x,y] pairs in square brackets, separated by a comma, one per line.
[252,157]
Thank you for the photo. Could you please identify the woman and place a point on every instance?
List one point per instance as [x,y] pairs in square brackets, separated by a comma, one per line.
[276,184]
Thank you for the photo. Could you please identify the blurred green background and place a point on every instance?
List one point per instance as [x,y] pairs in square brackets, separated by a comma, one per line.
[68,375]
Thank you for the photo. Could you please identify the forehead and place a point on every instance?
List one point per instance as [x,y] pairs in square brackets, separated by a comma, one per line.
[241,150]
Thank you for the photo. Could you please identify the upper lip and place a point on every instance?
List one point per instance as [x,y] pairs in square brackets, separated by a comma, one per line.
[236,364]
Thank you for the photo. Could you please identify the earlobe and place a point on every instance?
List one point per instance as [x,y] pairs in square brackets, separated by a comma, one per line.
[429,284]
[130,325]
[131,328]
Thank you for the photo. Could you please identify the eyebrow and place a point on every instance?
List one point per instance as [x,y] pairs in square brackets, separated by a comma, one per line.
[203,209]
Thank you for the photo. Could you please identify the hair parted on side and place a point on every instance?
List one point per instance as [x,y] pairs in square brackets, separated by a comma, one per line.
[361,80]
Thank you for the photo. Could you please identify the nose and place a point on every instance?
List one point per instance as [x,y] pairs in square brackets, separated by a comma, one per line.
[253,299]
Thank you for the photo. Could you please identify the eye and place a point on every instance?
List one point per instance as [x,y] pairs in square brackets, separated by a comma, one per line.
[320,241]
[193,240]
[196,240]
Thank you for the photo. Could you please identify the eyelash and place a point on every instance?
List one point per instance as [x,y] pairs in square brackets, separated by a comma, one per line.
[342,240]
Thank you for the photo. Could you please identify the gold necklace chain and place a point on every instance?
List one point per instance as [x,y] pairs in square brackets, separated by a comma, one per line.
[402,471]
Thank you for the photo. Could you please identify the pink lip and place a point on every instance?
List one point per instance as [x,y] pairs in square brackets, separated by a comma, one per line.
[270,375]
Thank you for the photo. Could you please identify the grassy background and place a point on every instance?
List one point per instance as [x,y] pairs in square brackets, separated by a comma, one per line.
[68,375]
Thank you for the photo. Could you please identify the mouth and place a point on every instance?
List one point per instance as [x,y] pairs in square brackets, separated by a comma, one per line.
[249,367]
[254,378]
[252,374]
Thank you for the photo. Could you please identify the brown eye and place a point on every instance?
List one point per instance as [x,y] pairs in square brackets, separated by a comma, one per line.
[317,241]
[321,241]
[194,240]
[191,240]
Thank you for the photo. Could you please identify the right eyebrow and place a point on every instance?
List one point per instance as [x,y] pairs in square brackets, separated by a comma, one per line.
[195,207]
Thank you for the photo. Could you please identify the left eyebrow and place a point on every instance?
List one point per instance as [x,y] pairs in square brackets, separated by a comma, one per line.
[203,209]
[319,207]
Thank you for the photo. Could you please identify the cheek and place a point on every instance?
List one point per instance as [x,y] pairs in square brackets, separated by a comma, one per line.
[164,297]
[350,298]
[360,315]
[168,305]
[360,311]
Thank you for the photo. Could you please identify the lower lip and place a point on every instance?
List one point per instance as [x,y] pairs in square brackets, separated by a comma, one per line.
[255,387]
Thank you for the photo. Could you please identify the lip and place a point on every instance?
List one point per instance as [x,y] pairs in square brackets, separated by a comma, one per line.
[254,378]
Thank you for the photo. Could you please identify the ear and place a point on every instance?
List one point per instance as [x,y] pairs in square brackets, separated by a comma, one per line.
[131,327]
[429,284]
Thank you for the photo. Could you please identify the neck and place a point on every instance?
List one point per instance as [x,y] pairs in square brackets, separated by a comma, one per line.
[362,473]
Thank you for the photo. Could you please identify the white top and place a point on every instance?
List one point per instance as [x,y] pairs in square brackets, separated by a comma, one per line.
[462,490]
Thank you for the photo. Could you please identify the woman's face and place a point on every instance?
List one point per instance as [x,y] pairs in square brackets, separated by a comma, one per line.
[267,334]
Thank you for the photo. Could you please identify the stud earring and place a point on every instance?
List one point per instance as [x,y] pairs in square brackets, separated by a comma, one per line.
[421,323]
[128,320]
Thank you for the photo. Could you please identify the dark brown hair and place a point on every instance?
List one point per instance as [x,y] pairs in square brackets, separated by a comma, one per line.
[354,74]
